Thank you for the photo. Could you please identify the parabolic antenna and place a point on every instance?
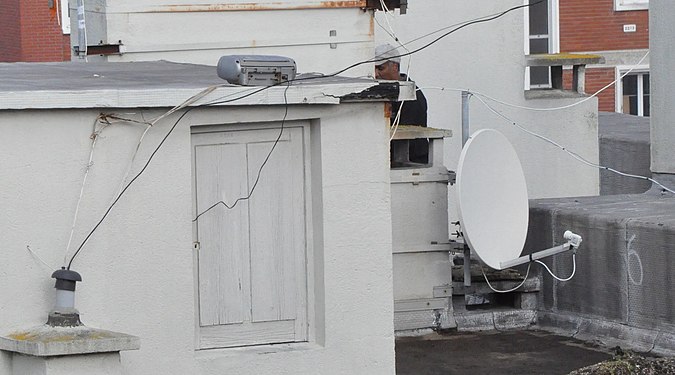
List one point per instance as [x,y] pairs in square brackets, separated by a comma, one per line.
[492,198]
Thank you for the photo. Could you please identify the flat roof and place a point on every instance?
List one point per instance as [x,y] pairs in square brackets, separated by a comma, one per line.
[160,84]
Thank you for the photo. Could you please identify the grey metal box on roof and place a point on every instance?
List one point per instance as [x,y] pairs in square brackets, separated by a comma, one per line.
[256,70]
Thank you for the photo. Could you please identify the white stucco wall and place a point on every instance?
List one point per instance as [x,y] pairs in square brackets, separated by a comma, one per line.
[138,267]
[488,58]
[661,33]
[203,32]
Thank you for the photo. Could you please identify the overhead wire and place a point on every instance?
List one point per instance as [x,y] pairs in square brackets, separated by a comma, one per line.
[274,145]
[635,66]
[529,265]
[110,207]
[436,40]
[576,156]
[397,117]
[574,269]
[478,93]
[572,153]
[94,137]
[104,118]
[189,105]
[34,254]
[185,104]
[508,290]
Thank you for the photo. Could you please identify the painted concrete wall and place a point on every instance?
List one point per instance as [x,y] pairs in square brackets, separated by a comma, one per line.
[202,33]
[663,112]
[621,291]
[624,146]
[138,267]
[489,59]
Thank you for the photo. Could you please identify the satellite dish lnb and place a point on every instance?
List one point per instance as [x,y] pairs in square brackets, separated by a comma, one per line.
[493,203]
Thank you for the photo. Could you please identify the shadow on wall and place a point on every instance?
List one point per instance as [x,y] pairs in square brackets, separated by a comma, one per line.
[624,145]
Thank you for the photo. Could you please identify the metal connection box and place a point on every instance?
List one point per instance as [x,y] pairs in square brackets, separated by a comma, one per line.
[256,70]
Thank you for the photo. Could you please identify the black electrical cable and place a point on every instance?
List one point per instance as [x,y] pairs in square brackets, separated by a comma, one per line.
[468,23]
[472,22]
[274,145]
[128,185]
[475,21]
[157,149]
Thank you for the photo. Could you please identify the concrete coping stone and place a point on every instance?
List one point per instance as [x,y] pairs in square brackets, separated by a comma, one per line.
[160,84]
[45,341]
[560,59]
[416,132]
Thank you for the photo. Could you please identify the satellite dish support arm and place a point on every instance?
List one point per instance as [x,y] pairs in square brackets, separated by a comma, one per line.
[573,242]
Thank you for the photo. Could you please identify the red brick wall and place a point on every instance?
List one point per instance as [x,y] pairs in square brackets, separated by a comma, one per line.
[593,25]
[29,31]
[10,41]
[595,80]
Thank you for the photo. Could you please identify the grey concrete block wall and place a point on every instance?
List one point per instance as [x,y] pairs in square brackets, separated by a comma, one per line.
[625,264]
[623,145]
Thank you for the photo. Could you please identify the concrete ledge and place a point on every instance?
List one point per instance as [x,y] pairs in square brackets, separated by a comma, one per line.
[556,59]
[44,341]
[417,132]
[552,94]
[608,333]
[533,284]
[622,291]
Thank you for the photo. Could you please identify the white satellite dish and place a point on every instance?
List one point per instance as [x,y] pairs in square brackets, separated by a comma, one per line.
[492,198]
[492,202]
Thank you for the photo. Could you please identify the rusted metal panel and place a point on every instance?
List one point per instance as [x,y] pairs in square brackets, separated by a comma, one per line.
[229,7]
[390,4]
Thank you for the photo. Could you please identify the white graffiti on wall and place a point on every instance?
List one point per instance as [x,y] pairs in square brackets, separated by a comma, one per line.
[636,261]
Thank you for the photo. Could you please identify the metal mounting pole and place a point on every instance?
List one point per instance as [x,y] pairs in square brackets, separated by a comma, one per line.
[465,117]
[465,136]
[81,30]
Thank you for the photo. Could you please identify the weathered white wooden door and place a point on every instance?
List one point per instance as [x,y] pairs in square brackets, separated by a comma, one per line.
[252,279]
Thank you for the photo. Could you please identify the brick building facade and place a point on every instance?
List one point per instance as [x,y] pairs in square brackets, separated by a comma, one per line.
[619,31]
[30,31]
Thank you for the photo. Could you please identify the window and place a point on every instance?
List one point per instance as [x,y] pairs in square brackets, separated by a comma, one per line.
[631,4]
[540,76]
[542,38]
[252,259]
[65,16]
[634,94]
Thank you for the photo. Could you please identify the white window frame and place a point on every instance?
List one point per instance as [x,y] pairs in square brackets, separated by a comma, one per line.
[624,5]
[618,93]
[65,17]
[553,37]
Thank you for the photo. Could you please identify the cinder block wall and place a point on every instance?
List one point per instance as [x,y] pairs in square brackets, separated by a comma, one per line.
[621,293]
